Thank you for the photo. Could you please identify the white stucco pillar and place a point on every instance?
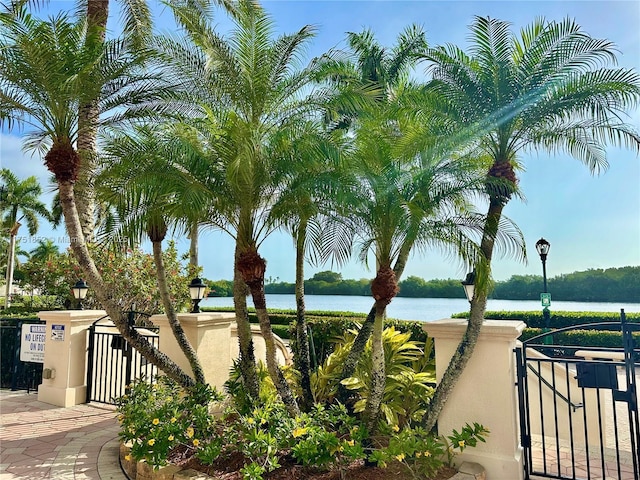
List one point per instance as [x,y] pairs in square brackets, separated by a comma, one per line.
[209,335]
[485,393]
[65,355]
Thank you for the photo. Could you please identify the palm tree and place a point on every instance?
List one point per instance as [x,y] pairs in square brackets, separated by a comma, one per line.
[147,186]
[384,69]
[243,92]
[549,88]
[19,201]
[403,203]
[312,161]
[47,70]
[137,25]
[45,250]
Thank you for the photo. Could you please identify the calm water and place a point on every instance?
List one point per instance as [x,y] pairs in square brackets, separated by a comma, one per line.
[424,309]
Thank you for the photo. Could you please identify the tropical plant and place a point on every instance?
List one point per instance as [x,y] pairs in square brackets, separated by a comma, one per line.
[48,69]
[410,372]
[314,161]
[404,202]
[45,250]
[549,88]
[241,93]
[158,417]
[19,200]
[136,19]
[147,185]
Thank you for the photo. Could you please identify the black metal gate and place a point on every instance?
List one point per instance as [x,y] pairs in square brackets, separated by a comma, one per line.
[578,405]
[16,373]
[112,363]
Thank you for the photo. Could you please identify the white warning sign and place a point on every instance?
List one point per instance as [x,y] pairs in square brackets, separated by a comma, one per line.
[32,343]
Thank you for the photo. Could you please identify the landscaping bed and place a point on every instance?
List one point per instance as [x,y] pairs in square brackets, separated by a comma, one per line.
[228,468]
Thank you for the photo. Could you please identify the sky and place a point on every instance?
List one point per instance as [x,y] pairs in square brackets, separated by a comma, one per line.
[591,221]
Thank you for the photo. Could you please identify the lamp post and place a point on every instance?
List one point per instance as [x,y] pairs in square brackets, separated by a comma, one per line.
[542,246]
[80,292]
[469,285]
[196,292]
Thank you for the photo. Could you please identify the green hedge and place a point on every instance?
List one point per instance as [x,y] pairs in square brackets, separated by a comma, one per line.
[327,327]
[325,331]
[558,319]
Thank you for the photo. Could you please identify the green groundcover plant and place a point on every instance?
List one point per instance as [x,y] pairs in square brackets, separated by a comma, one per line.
[160,419]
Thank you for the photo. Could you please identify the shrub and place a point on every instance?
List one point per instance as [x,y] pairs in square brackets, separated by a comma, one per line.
[157,417]
[558,319]
[409,368]
[423,453]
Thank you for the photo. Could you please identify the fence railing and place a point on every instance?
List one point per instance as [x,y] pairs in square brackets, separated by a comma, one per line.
[15,373]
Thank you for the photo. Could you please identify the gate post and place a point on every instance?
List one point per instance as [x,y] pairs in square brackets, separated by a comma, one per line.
[210,336]
[485,393]
[65,355]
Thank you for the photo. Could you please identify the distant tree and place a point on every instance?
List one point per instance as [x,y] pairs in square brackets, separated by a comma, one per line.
[19,200]
[327,276]
[220,288]
[45,250]
[412,286]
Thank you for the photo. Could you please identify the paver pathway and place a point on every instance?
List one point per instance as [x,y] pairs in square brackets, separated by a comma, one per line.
[38,440]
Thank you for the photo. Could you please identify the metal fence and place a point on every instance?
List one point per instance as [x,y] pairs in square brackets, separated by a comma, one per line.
[15,373]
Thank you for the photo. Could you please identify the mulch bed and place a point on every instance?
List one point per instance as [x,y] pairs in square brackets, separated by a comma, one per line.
[228,468]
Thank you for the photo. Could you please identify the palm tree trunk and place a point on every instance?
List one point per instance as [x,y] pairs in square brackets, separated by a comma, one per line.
[469,340]
[11,262]
[88,118]
[383,288]
[87,149]
[302,336]
[83,257]
[350,363]
[176,328]
[282,387]
[349,367]
[251,266]
[193,248]
[247,362]
[378,374]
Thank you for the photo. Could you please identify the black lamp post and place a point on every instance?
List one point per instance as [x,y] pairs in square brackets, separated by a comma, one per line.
[196,291]
[80,292]
[542,246]
[469,285]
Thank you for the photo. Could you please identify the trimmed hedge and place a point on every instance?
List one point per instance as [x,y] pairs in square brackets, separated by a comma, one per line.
[558,319]
[327,327]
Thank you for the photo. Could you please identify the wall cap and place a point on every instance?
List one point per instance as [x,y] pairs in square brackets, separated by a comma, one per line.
[454,328]
[198,320]
[71,315]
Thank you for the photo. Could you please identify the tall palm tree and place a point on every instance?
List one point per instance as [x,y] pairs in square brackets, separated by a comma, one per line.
[137,26]
[19,201]
[549,88]
[383,68]
[147,186]
[404,203]
[313,161]
[245,90]
[47,69]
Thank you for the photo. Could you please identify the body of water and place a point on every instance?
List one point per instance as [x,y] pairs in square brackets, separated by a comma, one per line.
[422,309]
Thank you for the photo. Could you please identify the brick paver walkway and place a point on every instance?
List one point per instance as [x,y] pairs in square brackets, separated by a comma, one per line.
[38,440]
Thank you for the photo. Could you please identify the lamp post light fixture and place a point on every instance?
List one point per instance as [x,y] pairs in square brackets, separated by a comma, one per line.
[469,285]
[542,247]
[80,292]
[196,292]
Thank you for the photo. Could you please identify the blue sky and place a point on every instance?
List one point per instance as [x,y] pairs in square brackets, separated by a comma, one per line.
[590,221]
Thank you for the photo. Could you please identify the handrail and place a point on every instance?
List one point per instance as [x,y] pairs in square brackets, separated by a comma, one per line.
[574,406]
